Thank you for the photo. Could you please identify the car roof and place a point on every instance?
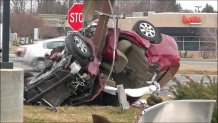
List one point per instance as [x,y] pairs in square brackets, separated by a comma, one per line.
[40,42]
[62,38]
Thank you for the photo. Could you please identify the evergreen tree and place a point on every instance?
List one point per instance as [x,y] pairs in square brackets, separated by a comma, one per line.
[177,8]
[208,9]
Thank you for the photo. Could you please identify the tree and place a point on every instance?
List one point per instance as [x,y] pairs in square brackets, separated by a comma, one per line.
[208,8]
[23,24]
[147,5]
[18,5]
[1,7]
[177,8]
[51,7]
[166,6]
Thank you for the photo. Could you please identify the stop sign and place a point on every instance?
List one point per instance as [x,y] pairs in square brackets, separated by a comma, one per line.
[75,16]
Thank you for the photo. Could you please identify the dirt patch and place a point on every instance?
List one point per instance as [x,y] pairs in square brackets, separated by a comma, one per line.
[188,69]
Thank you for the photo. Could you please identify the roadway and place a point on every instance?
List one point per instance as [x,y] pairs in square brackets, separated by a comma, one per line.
[200,63]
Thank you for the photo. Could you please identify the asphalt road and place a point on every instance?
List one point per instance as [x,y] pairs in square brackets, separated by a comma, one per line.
[200,63]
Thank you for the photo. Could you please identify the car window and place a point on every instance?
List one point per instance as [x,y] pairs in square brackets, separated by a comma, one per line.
[52,45]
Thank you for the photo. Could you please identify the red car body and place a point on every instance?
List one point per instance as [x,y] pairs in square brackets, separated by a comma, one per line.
[164,53]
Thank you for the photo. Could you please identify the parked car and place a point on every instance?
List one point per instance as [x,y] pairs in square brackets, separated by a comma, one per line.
[34,54]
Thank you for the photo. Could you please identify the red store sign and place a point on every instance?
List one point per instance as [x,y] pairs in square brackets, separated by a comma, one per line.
[191,20]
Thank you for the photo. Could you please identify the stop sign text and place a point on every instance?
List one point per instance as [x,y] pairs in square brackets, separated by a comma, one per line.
[75,16]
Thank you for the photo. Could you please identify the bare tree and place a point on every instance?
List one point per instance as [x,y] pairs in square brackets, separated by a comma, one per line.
[18,5]
[23,24]
[147,5]
[31,6]
[1,10]
[52,7]
[166,6]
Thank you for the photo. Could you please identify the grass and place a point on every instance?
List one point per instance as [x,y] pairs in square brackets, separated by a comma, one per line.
[79,114]
[189,69]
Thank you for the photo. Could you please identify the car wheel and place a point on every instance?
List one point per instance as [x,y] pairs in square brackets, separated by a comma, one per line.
[148,31]
[39,64]
[79,48]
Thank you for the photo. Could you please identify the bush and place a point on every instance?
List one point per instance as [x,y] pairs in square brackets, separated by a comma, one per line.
[197,90]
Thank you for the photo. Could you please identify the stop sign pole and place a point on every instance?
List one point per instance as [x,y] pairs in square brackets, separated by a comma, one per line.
[5,64]
[75,16]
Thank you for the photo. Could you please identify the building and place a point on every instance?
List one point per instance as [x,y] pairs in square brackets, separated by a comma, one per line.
[196,32]
[57,22]
[192,31]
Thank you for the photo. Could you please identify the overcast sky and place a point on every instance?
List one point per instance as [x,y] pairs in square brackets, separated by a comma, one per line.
[190,4]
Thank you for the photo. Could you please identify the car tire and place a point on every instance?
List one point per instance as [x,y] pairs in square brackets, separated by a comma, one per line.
[147,31]
[80,50]
[39,64]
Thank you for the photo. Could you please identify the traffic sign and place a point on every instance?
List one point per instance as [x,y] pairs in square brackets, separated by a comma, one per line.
[75,16]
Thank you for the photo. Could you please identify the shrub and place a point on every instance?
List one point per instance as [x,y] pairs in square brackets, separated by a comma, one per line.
[197,90]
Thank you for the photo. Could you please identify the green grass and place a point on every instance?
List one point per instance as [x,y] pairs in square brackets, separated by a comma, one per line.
[79,114]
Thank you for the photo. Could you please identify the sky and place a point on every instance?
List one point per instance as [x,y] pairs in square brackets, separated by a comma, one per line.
[190,4]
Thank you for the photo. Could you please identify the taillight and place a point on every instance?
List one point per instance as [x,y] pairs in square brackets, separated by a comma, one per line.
[21,52]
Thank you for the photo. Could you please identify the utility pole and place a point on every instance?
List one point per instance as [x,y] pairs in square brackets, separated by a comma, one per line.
[198,8]
[5,40]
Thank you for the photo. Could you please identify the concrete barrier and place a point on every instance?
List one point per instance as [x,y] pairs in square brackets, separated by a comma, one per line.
[11,95]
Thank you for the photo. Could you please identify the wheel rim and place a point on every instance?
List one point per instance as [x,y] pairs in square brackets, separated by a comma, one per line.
[147,29]
[80,44]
